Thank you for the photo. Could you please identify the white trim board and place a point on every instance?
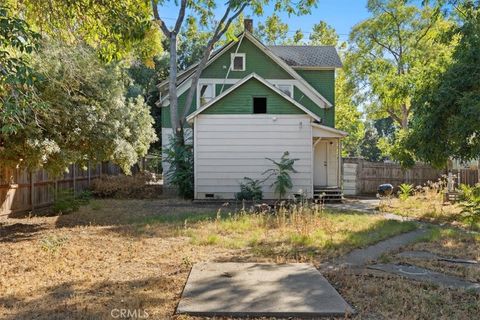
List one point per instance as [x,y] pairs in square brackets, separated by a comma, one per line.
[333,133]
[238,84]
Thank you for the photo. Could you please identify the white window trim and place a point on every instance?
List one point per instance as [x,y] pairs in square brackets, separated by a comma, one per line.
[284,84]
[203,83]
[215,81]
[233,56]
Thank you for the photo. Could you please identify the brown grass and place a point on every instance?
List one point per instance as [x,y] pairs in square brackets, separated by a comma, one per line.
[136,255]
[391,297]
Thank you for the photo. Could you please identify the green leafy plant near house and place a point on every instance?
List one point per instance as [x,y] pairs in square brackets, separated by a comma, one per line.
[250,189]
[179,156]
[470,204]
[405,191]
[281,172]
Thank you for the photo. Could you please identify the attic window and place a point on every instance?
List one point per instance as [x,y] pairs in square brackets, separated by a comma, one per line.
[207,93]
[286,88]
[259,105]
[238,62]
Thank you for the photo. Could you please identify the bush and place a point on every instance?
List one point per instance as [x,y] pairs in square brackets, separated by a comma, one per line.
[250,190]
[470,204]
[179,156]
[281,172]
[66,202]
[406,190]
[121,186]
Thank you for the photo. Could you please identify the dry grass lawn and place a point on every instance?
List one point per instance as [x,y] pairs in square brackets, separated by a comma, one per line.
[136,255]
[428,206]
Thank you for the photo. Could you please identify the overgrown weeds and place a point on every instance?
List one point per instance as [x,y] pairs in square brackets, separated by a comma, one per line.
[298,230]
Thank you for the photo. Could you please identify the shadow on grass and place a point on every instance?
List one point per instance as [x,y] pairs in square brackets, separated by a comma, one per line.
[132,212]
[103,300]
[19,231]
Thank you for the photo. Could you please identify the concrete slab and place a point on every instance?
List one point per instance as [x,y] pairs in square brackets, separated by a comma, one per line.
[422,274]
[260,290]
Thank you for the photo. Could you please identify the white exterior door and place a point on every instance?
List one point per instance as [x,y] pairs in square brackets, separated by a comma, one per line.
[320,164]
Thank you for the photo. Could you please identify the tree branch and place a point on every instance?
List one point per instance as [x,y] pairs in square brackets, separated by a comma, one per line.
[159,20]
[395,117]
[181,16]
[220,30]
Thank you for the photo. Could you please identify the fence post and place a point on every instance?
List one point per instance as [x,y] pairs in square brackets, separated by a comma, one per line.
[32,191]
[89,173]
[74,178]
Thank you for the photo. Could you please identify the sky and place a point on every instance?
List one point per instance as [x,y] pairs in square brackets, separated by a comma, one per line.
[340,14]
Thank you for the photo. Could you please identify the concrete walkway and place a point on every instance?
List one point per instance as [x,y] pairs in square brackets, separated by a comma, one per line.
[361,257]
[422,274]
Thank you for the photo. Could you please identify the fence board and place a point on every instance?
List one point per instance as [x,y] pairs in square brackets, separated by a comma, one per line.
[369,175]
[23,191]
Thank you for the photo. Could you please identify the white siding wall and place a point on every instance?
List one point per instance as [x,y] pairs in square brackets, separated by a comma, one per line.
[231,147]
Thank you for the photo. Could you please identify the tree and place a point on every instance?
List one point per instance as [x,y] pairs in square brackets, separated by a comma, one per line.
[369,144]
[325,35]
[85,114]
[17,101]
[393,52]
[447,111]
[274,31]
[116,29]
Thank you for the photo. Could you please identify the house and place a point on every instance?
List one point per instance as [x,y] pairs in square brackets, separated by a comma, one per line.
[255,102]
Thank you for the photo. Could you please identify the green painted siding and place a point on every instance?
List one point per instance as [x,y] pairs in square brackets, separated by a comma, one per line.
[240,101]
[327,115]
[322,80]
[218,88]
[181,102]
[255,61]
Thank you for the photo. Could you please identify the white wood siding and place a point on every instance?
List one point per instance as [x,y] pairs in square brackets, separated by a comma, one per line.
[231,147]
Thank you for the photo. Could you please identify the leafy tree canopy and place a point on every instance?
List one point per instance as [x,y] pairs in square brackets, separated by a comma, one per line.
[394,51]
[85,114]
[17,102]
[447,111]
[116,29]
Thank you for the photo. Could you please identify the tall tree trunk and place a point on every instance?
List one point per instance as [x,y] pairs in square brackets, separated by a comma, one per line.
[172,85]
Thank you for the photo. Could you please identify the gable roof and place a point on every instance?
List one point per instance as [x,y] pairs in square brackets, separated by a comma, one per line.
[308,90]
[308,56]
[241,82]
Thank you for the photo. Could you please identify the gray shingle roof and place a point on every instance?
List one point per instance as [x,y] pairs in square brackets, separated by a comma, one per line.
[308,56]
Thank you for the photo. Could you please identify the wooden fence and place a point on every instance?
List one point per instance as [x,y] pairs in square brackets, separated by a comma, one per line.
[23,191]
[364,177]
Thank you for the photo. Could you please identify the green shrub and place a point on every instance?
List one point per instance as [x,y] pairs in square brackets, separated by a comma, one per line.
[405,191]
[66,202]
[179,156]
[281,172]
[250,190]
[470,203]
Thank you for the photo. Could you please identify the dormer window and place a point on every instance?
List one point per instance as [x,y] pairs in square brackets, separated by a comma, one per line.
[238,62]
